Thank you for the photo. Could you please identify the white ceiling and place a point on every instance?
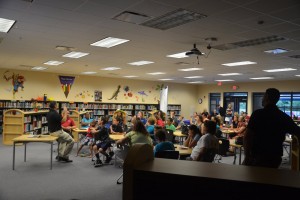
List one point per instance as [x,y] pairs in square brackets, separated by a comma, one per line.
[44,24]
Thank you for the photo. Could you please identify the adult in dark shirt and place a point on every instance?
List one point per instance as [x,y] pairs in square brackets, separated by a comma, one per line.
[266,132]
[65,141]
[116,128]
[222,112]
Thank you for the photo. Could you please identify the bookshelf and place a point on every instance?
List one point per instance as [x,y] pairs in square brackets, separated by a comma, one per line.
[77,116]
[17,122]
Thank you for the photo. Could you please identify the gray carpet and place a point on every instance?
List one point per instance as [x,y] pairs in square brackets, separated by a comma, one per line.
[78,180]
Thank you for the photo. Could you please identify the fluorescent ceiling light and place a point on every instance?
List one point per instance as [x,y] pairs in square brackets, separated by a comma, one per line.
[53,62]
[194,77]
[277,51]
[230,74]
[239,63]
[190,69]
[196,82]
[280,70]
[111,68]
[156,73]
[224,80]
[39,68]
[6,24]
[75,54]
[89,72]
[297,75]
[109,42]
[130,76]
[166,79]
[142,62]
[262,78]
[178,55]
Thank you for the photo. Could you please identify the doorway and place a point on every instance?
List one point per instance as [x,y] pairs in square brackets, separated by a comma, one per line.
[238,100]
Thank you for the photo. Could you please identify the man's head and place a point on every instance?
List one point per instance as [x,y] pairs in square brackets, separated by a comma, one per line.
[87,115]
[210,127]
[271,97]
[169,121]
[52,105]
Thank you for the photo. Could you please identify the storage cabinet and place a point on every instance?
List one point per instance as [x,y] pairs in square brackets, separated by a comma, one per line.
[17,122]
[77,117]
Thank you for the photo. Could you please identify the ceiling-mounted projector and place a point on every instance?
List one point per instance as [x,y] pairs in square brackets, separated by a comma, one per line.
[193,51]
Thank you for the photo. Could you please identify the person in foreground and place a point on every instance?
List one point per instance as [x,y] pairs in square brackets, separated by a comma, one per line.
[66,142]
[266,132]
[207,146]
[162,145]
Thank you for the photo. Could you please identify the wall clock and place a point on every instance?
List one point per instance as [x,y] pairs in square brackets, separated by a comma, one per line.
[200,100]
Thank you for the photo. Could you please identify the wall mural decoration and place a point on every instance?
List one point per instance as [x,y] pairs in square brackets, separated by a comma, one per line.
[127,92]
[17,80]
[115,94]
[83,94]
[98,95]
[66,84]
[142,93]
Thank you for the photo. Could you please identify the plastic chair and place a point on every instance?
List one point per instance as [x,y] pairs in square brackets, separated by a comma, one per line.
[223,149]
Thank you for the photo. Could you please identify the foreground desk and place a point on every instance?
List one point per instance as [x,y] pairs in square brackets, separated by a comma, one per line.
[29,138]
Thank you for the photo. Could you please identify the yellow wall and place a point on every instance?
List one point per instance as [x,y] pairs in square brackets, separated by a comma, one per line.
[283,86]
[40,83]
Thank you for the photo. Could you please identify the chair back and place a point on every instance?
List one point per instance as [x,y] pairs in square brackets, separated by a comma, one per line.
[223,146]
[169,135]
[168,154]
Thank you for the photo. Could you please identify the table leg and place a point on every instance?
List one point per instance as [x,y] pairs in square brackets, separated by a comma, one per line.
[14,153]
[51,155]
[25,151]
[240,156]
[234,155]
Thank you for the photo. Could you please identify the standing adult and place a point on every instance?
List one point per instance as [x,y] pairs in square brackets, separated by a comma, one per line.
[266,132]
[228,117]
[222,112]
[65,141]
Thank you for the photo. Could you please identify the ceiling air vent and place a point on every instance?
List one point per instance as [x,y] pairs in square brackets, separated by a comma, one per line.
[131,17]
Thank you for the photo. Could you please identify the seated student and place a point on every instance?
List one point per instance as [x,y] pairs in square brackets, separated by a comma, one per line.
[140,115]
[235,121]
[180,122]
[170,125]
[162,145]
[240,129]
[139,134]
[102,142]
[89,139]
[159,120]
[86,120]
[207,142]
[174,118]
[67,123]
[193,137]
[150,126]
[116,127]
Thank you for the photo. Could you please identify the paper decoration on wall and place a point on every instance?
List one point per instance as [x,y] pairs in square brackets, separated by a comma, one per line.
[115,94]
[83,94]
[159,87]
[66,84]
[98,95]
[127,92]
[17,81]
[143,94]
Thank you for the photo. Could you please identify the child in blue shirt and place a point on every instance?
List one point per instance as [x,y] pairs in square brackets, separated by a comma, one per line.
[162,145]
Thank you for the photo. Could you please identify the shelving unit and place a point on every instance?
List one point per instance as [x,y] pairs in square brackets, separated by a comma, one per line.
[17,122]
[77,116]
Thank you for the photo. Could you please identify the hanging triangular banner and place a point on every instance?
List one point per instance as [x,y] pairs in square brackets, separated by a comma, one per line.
[66,84]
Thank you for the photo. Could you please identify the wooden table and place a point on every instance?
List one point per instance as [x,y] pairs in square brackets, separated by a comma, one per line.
[76,132]
[181,136]
[116,137]
[29,138]
[183,151]
[227,131]
[236,146]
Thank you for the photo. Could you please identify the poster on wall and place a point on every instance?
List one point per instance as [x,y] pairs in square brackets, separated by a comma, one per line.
[17,81]
[98,95]
[66,84]
[164,99]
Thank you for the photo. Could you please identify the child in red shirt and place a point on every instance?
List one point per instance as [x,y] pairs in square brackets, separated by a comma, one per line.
[89,139]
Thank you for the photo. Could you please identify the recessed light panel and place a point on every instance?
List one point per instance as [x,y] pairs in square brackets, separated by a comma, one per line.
[142,62]
[239,63]
[39,68]
[89,72]
[196,82]
[109,42]
[75,54]
[297,75]
[194,77]
[230,74]
[53,62]
[225,80]
[276,51]
[190,69]
[280,70]
[178,55]
[262,78]
[111,68]
[156,73]
[6,24]
[130,76]
[166,79]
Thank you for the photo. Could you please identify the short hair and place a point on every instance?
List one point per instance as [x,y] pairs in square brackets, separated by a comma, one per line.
[103,119]
[210,126]
[273,95]
[93,123]
[52,104]
[161,135]
[194,128]
[151,120]
[171,120]
[205,114]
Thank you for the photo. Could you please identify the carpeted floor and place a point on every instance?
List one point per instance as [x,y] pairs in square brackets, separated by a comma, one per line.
[78,180]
